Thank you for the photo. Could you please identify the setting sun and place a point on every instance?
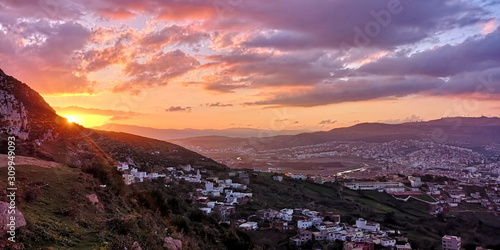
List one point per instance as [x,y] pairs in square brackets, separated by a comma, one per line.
[86,120]
[73,118]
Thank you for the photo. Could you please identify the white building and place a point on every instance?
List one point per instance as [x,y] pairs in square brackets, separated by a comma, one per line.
[206,210]
[249,225]
[370,226]
[122,166]
[186,168]
[128,179]
[450,242]
[209,186]
[303,224]
[415,181]
[371,185]
[278,178]
[387,242]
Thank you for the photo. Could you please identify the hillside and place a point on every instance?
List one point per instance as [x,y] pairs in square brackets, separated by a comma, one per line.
[71,196]
[41,133]
[65,208]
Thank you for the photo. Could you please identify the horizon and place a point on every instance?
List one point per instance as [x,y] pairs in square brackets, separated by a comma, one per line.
[267,66]
[361,122]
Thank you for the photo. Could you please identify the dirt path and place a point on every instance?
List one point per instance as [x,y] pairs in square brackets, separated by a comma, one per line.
[23,160]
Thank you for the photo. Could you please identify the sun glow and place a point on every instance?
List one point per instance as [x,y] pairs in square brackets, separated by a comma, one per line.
[86,120]
[73,118]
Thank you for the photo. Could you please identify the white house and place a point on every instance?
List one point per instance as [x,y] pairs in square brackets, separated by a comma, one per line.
[278,178]
[209,186]
[249,225]
[128,179]
[284,216]
[186,168]
[122,166]
[371,185]
[370,226]
[206,210]
[303,224]
[415,181]
[387,242]
[299,177]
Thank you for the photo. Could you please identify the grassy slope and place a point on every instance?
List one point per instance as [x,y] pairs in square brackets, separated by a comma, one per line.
[411,217]
[59,215]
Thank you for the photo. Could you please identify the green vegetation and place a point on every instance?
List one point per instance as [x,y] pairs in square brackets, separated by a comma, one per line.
[56,203]
[411,217]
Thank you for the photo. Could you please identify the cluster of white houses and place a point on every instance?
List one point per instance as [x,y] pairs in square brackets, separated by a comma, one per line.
[320,226]
[439,195]
[388,187]
[227,189]
[232,193]
[361,232]
[132,175]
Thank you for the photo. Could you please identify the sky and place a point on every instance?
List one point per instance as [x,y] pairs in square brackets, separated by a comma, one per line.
[274,65]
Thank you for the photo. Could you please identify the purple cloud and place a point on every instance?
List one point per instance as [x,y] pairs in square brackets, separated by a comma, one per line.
[178,109]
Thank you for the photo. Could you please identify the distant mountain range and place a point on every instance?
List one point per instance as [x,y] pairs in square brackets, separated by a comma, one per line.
[171,134]
[463,130]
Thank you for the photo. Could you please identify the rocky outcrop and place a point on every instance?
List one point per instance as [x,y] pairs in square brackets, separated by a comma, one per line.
[136,246]
[172,244]
[95,201]
[21,109]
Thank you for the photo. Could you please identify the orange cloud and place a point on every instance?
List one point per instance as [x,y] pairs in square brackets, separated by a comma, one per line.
[489,27]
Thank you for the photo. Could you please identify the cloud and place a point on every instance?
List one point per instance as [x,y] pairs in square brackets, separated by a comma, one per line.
[328,122]
[157,71]
[48,54]
[412,118]
[270,46]
[355,89]
[381,24]
[245,69]
[115,114]
[218,104]
[173,35]
[178,109]
[448,60]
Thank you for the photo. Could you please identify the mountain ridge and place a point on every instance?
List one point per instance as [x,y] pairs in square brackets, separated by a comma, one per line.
[172,134]
[470,130]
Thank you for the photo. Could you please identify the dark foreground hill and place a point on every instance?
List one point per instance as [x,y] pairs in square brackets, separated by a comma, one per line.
[41,133]
[62,194]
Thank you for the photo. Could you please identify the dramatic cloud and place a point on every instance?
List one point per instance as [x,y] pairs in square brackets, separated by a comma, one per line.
[45,54]
[178,109]
[472,55]
[359,89]
[157,71]
[293,52]
[382,24]
[218,104]
[173,35]
[324,122]
[412,118]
